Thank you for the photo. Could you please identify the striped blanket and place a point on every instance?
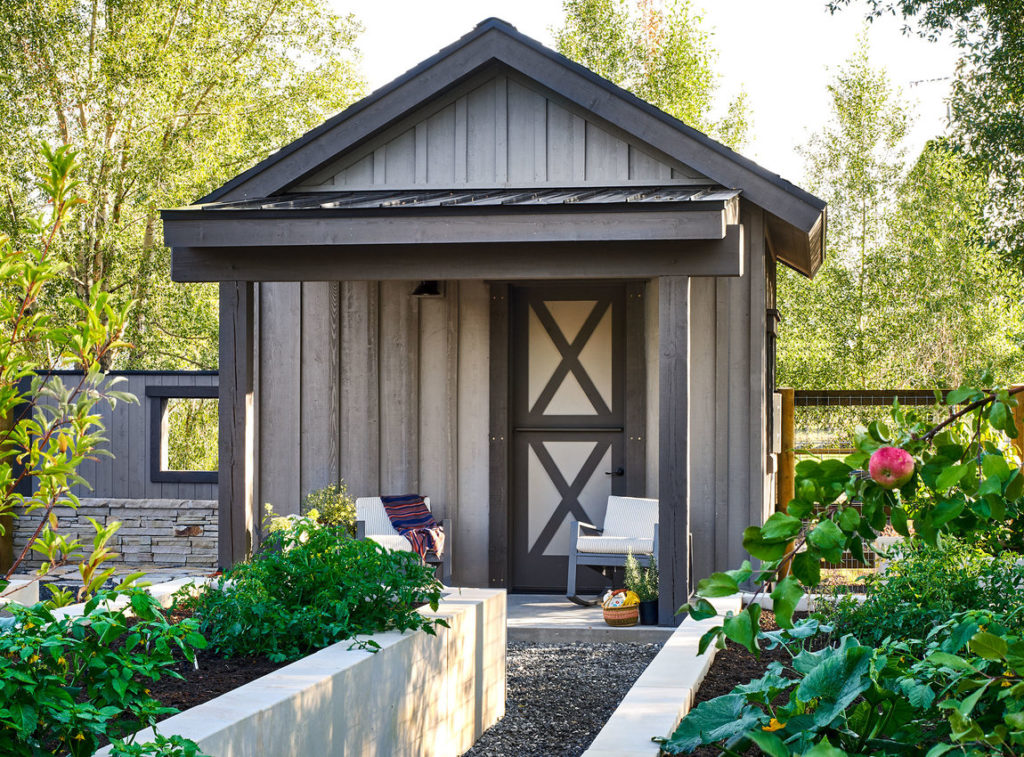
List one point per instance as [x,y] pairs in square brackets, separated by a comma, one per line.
[410,517]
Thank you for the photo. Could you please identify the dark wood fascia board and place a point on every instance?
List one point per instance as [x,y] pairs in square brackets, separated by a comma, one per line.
[223,229]
[607,260]
[492,42]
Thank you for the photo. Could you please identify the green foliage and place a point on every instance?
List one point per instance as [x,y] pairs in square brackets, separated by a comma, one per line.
[909,290]
[192,434]
[936,682]
[165,100]
[662,56]
[333,507]
[643,581]
[67,683]
[925,585]
[310,586]
[161,746]
[959,688]
[48,428]
[987,109]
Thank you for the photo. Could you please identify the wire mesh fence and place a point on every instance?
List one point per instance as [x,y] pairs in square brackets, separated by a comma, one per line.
[825,423]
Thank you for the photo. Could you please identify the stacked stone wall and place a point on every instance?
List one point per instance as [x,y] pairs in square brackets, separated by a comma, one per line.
[163,532]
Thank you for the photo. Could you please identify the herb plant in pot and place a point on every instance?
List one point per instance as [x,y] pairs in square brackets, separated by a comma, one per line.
[644,581]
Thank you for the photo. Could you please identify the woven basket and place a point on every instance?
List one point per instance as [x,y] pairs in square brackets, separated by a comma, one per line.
[621,617]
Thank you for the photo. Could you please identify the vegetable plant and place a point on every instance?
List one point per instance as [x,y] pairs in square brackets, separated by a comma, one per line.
[310,586]
[957,687]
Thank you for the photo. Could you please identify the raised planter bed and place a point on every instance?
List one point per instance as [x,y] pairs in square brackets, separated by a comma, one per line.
[418,695]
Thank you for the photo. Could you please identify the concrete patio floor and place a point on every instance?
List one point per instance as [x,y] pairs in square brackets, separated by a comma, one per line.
[553,618]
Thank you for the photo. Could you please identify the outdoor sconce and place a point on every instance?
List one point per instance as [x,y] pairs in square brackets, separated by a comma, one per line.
[429,289]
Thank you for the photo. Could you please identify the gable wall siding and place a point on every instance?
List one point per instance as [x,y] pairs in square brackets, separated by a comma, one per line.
[499,132]
[730,484]
[359,381]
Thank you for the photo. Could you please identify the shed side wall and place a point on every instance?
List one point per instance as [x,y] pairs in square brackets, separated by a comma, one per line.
[731,486]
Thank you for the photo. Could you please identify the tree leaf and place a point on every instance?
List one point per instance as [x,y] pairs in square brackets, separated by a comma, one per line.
[951,475]
[786,595]
[741,627]
[989,646]
[807,568]
[780,527]
[718,585]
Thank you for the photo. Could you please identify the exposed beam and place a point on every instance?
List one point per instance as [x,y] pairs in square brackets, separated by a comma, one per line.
[673,446]
[632,260]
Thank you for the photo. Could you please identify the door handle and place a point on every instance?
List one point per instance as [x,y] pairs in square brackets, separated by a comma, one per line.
[620,471]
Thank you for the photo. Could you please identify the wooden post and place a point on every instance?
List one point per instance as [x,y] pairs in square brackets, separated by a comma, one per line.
[1018,419]
[673,446]
[786,482]
[238,531]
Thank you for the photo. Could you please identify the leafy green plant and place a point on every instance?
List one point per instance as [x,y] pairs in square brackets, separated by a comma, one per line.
[643,581]
[66,683]
[310,586]
[333,506]
[50,429]
[924,585]
[160,746]
[959,689]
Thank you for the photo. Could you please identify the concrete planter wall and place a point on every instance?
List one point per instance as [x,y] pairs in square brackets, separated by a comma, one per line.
[418,695]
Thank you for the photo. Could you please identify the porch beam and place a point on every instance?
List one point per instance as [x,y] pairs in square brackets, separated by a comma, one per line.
[673,446]
[238,523]
[611,260]
[216,228]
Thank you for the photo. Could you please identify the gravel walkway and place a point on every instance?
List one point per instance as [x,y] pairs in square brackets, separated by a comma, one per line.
[560,695]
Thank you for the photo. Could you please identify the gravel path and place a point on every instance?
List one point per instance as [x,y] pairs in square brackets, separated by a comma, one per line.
[560,695]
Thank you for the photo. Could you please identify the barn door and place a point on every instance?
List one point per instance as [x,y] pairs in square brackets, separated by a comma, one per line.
[568,422]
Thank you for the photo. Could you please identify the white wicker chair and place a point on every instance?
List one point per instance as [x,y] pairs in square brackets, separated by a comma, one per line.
[630,524]
[372,522]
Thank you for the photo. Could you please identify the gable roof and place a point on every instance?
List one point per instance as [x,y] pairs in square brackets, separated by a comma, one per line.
[796,219]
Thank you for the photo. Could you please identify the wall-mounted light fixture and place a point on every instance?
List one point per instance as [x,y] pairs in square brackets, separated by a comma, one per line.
[429,289]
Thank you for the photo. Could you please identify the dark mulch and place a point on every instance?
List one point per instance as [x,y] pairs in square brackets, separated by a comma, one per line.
[213,677]
[560,696]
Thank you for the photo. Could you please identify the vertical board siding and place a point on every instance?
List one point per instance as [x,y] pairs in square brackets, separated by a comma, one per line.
[399,395]
[127,474]
[318,395]
[280,351]
[501,131]
[360,399]
[470,557]
[702,423]
[435,444]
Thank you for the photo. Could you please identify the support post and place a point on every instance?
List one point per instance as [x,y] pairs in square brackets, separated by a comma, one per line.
[786,483]
[238,531]
[673,446]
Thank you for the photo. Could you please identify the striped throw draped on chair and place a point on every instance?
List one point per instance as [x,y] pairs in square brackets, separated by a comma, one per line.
[410,517]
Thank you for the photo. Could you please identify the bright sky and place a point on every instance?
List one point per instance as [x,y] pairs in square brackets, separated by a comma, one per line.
[779,51]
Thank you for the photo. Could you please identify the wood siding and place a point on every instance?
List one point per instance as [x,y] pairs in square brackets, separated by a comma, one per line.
[729,482]
[496,132]
[128,427]
[393,399]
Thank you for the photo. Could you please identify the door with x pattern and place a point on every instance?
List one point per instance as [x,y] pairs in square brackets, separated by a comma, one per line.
[568,418]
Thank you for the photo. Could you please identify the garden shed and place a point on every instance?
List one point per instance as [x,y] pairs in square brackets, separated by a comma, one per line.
[505,283]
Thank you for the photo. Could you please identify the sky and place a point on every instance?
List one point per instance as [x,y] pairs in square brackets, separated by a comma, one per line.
[781,52]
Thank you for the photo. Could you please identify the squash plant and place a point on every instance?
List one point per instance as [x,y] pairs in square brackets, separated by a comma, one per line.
[959,690]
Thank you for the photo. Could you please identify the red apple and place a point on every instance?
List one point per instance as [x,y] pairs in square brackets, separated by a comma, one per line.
[891,467]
